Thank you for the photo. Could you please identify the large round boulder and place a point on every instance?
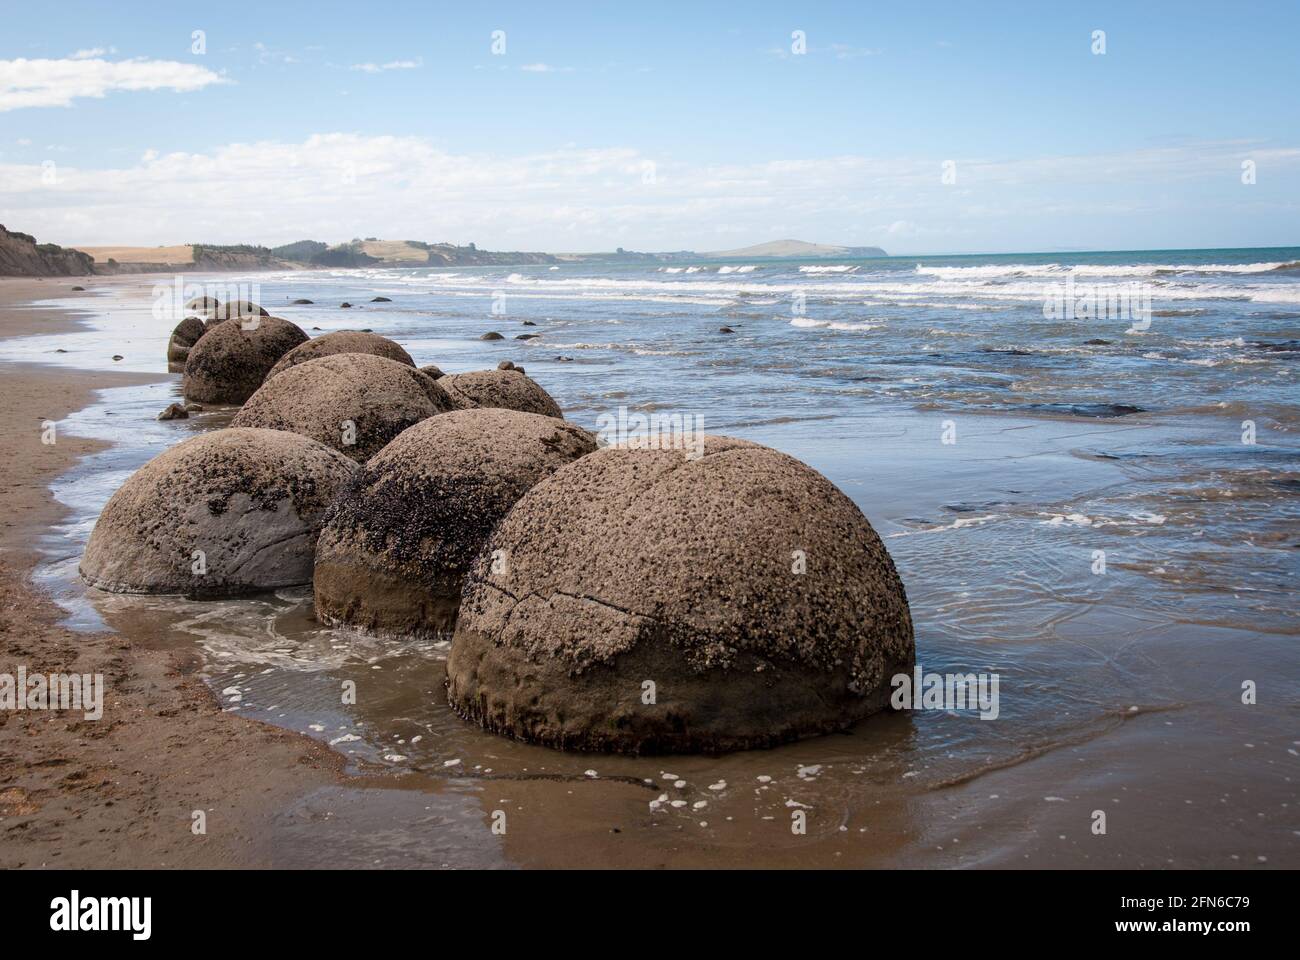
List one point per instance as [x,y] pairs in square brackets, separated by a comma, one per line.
[240,308]
[222,514]
[507,389]
[232,358]
[204,306]
[353,402]
[743,586]
[342,341]
[184,336]
[397,544]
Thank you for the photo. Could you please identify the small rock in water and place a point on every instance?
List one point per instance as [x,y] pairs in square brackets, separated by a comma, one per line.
[529,323]
[527,336]
[491,335]
[117,356]
[78,288]
[380,300]
[345,305]
[174,411]
[192,407]
[301,302]
[725,330]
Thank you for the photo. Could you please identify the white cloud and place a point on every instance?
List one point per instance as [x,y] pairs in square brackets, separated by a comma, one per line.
[544,68]
[56,83]
[391,65]
[267,55]
[335,186]
[92,53]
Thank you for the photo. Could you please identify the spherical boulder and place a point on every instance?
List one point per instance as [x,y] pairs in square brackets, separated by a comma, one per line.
[204,306]
[232,358]
[397,543]
[353,402]
[184,336]
[433,371]
[240,308]
[342,341]
[224,513]
[508,389]
[743,584]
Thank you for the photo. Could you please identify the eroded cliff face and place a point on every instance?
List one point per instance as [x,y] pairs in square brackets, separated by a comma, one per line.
[22,256]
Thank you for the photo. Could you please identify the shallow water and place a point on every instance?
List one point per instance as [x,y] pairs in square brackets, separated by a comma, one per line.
[1062,449]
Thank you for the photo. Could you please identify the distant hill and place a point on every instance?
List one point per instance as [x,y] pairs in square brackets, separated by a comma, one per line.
[795,249]
[22,256]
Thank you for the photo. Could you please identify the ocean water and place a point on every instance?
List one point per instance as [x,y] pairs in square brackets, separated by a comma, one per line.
[1098,504]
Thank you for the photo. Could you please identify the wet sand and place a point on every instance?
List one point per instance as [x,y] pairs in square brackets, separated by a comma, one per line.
[1187,777]
[119,791]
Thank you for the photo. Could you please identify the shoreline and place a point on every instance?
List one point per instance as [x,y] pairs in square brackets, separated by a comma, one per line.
[120,791]
[1004,810]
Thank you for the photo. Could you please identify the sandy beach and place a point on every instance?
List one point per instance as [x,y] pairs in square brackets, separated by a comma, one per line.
[1146,734]
[118,793]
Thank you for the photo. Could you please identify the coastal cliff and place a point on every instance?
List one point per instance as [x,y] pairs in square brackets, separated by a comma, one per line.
[22,256]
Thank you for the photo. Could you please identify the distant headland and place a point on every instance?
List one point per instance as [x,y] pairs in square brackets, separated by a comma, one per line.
[21,255]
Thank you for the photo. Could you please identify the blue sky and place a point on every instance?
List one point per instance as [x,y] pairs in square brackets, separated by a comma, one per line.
[654,126]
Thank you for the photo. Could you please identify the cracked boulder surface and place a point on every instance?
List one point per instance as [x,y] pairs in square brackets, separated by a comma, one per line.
[353,402]
[342,341]
[506,389]
[642,602]
[398,541]
[223,514]
[230,361]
